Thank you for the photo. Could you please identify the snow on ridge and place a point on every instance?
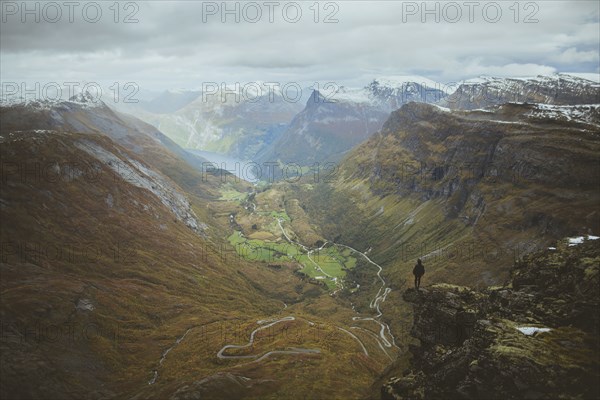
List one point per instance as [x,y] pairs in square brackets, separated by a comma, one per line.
[574,241]
[444,109]
[82,100]
[400,85]
[531,330]
[583,79]
[351,95]
[565,106]
[579,113]
[400,81]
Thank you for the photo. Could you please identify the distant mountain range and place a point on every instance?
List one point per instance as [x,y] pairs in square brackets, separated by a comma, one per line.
[269,129]
[331,124]
[262,125]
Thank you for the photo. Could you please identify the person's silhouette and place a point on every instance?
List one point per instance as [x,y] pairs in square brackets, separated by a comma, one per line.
[418,272]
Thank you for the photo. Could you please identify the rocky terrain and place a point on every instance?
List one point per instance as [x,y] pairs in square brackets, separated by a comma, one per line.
[559,89]
[535,337]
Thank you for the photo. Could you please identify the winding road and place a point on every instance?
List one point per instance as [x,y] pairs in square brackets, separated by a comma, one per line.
[251,341]
[258,357]
[379,298]
[291,350]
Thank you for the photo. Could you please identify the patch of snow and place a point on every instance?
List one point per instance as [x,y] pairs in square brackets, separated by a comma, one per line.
[574,241]
[531,330]
[507,122]
[334,120]
[442,108]
[579,113]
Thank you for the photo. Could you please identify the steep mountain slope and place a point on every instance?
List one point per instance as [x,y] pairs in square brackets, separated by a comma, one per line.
[117,280]
[87,115]
[560,89]
[323,131]
[536,337]
[464,189]
[104,262]
[239,124]
[333,123]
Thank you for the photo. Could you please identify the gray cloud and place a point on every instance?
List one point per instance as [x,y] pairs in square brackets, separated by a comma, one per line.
[171,45]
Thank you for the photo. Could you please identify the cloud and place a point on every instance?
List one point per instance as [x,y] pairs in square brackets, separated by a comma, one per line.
[177,44]
[573,56]
[516,70]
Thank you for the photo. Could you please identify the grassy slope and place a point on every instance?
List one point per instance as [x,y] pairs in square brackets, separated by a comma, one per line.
[152,280]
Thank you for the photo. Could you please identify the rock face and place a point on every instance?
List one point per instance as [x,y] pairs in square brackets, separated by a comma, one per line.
[535,338]
[464,188]
[82,113]
[560,89]
[333,123]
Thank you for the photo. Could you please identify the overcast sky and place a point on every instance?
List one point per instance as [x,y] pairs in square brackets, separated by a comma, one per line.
[183,44]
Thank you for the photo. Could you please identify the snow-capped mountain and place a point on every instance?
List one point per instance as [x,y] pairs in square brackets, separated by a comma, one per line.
[84,113]
[332,123]
[81,99]
[558,89]
[391,92]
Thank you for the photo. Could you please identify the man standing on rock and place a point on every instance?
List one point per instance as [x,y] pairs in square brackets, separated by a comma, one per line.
[418,272]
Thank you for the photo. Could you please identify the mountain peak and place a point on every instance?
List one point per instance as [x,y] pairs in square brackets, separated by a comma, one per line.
[401,81]
[86,98]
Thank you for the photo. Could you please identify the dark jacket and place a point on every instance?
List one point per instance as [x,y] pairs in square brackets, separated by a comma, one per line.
[419,270]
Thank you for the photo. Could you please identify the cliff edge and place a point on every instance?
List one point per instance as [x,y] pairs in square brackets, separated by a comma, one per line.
[537,337]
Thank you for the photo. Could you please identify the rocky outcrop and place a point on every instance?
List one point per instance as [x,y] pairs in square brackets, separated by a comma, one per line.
[534,338]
